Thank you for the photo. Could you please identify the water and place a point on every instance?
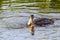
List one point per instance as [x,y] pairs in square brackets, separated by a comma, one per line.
[13,21]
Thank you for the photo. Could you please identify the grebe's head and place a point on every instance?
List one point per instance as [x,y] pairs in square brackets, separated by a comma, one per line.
[32,16]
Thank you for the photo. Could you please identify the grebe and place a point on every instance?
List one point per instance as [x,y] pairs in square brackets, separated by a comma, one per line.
[39,21]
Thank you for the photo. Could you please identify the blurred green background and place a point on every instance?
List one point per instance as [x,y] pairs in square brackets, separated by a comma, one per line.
[43,4]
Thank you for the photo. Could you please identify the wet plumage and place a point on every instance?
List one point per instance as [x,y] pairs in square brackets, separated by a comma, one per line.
[43,21]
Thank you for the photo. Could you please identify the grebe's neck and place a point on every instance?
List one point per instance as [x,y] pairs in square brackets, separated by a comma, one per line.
[30,21]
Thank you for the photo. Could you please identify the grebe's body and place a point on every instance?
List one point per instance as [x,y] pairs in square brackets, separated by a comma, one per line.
[43,21]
